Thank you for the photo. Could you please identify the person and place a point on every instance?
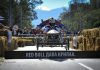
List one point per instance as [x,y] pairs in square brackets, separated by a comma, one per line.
[33,31]
[9,35]
[25,30]
[9,38]
[75,41]
[15,29]
[19,31]
[1,26]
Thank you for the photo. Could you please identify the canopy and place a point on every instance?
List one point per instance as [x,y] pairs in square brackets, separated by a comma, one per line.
[52,32]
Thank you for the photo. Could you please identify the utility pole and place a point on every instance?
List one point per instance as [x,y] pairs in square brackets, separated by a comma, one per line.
[21,12]
[10,19]
[21,16]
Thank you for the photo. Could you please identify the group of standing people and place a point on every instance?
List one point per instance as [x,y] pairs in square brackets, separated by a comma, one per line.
[16,31]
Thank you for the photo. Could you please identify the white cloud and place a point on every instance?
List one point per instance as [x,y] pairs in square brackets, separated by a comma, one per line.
[43,8]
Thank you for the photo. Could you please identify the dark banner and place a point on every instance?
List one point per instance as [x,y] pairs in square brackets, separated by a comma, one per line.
[50,54]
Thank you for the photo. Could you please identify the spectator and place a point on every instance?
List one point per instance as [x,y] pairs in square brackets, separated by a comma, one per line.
[25,30]
[75,41]
[9,35]
[19,31]
[15,30]
[1,26]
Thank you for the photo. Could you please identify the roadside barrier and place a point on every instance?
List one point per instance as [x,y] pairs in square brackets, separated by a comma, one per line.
[89,40]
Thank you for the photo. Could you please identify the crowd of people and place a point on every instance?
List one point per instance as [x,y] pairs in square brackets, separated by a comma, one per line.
[15,30]
[47,25]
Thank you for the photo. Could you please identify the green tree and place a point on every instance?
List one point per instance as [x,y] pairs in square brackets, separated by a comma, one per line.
[4,10]
[81,19]
[93,18]
[27,13]
[22,11]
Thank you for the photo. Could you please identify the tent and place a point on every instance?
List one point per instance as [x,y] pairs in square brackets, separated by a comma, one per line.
[52,32]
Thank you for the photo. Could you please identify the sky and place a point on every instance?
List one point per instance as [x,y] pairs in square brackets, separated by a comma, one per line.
[49,5]
[52,4]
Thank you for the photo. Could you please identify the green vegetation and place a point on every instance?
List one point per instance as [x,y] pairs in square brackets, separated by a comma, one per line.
[81,18]
[22,11]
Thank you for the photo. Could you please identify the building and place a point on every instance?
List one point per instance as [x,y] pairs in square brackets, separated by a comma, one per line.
[79,5]
[95,4]
[79,1]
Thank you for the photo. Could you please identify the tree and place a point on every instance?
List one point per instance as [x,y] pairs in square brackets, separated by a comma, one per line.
[73,21]
[93,18]
[22,11]
[27,13]
[81,19]
[4,10]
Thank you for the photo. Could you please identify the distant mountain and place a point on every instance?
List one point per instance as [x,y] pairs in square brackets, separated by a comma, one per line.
[55,13]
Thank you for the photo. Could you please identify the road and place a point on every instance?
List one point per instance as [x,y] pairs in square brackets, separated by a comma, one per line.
[49,64]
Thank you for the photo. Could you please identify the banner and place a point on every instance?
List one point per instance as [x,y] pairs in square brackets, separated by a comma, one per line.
[50,54]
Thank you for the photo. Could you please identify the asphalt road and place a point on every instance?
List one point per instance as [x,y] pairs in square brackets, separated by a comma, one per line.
[49,64]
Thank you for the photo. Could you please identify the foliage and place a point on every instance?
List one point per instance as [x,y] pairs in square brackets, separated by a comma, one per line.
[93,18]
[22,11]
[4,10]
[81,19]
